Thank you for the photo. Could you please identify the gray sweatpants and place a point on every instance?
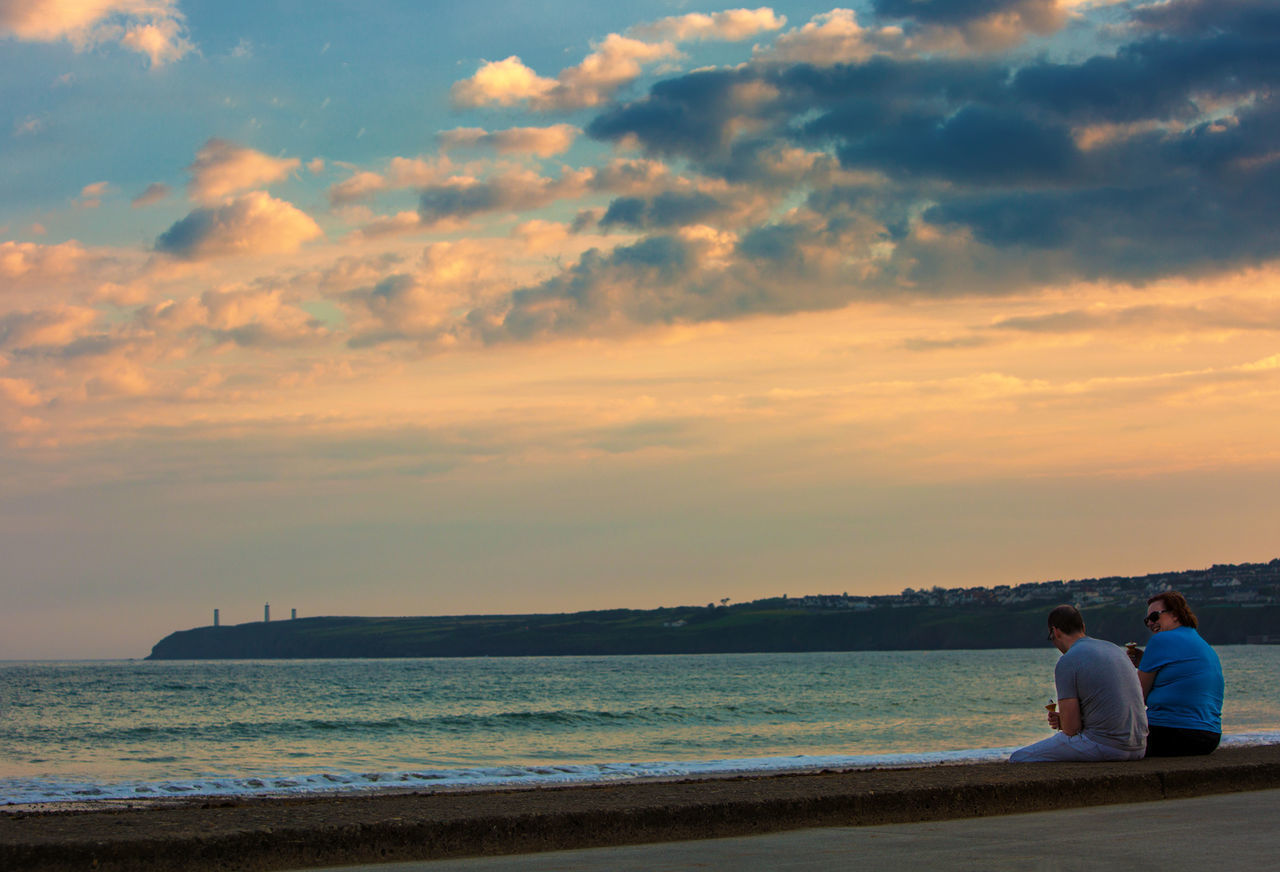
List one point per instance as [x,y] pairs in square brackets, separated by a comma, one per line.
[1078,748]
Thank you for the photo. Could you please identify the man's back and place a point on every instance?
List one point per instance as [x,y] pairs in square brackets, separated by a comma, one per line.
[1102,678]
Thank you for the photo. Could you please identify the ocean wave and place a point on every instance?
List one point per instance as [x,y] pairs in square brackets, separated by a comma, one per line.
[34,791]
[513,721]
[22,792]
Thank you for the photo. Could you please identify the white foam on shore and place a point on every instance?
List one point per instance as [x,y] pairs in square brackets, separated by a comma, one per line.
[24,793]
[43,791]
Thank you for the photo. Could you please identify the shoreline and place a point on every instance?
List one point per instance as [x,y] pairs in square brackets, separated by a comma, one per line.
[308,832]
[164,792]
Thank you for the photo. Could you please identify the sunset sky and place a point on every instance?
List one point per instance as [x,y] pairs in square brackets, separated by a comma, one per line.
[404,307]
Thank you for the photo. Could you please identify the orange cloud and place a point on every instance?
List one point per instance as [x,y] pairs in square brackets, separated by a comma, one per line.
[389,225]
[835,37]
[730,25]
[222,168]
[257,317]
[155,192]
[154,28]
[540,141]
[357,188]
[401,172]
[53,327]
[617,61]
[505,82]
[91,195]
[161,41]
[402,307]
[248,317]
[541,235]
[19,392]
[28,260]
[255,223]
[426,302]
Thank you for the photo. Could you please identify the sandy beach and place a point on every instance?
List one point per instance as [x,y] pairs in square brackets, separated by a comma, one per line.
[313,832]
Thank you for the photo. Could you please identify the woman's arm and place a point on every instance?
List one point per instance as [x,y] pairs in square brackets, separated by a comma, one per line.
[1147,680]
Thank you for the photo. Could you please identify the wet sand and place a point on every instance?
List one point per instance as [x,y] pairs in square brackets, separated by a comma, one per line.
[278,834]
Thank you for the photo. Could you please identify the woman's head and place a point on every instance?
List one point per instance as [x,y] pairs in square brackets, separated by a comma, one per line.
[1170,611]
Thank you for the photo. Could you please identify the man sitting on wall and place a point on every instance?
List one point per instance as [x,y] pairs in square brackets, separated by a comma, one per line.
[1101,715]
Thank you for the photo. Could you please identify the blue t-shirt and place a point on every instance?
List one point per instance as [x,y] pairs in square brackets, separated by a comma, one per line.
[1188,688]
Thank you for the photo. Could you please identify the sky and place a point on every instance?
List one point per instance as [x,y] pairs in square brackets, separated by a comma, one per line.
[413,308]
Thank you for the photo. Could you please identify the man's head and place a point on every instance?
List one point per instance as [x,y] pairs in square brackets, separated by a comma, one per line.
[1065,627]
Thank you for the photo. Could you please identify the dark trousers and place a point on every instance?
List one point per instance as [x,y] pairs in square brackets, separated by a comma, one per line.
[1178,742]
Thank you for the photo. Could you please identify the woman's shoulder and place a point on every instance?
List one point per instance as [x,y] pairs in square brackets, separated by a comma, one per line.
[1180,642]
[1177,639]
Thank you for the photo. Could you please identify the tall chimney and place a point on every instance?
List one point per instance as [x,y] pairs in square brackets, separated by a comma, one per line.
[266,613]
[293,614]
[215,617]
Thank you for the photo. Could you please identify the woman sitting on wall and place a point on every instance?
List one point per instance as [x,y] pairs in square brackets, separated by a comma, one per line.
[1181,680]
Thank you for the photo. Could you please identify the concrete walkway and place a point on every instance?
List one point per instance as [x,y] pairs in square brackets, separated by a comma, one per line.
[1235,832]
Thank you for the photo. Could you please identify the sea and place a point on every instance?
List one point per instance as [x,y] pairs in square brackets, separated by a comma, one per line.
[105,732]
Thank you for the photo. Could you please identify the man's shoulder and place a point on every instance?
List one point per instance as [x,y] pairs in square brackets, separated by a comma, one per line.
[1088,645]
[1090,650]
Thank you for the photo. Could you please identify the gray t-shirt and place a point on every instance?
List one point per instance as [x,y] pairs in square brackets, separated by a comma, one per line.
[1103,679]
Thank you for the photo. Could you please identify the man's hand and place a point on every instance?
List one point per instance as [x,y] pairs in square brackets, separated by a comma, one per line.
[1069,715]
[1055,720]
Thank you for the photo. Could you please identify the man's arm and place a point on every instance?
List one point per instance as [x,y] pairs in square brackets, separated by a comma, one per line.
[1147,680]
[1069,715]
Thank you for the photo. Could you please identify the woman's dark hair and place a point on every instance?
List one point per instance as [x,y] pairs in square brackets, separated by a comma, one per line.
[1176,603]
[1067,619]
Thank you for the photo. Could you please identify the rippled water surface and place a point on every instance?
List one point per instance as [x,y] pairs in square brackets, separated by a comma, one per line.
[103,729]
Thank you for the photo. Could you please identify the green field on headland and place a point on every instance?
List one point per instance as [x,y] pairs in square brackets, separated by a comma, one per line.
[1230,612]
[705,631]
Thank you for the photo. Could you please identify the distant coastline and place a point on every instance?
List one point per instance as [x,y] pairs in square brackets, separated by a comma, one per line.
[1237,604]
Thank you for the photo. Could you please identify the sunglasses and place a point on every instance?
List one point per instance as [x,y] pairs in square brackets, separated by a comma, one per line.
[1155,616]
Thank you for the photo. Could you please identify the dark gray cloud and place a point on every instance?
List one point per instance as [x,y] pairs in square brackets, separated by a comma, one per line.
[774,242]
[445,201]
[400,308]
[940,176]
[1159,78]
[186,236]
[659,280]
[975,145]
[514,191]
[1258,18]
[686,116]
[971,25]
[669,209]
[669,279]
[955,12]
[1153,158]
[625,285]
